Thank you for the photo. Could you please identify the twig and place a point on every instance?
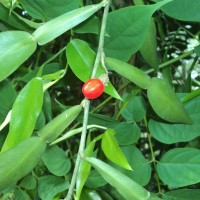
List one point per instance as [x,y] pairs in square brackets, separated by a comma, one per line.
[87,104]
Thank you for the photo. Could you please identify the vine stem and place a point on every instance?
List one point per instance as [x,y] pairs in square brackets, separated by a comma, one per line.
[87,104]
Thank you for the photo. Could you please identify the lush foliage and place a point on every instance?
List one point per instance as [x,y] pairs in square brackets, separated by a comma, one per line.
[143,132]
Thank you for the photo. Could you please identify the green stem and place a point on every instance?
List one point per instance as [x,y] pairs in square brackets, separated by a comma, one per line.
[54,56]
[101,39]
[169,62]
[80,151]
[153,156]
[87,104]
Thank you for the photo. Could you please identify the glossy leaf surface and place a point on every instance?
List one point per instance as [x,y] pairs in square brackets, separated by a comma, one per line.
[57,26]
[56,126]
[13,163]
[128,71]
[180,167]
[81,60]
[112,150]
[165,102]
[16,47]
[25,112]
[128,188]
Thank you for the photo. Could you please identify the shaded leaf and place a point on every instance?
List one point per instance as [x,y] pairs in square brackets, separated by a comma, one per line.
[188,11]
[173,133]
[50,186]
[165,102]
[180,167]
[182,194]
[56,161]
[48,9]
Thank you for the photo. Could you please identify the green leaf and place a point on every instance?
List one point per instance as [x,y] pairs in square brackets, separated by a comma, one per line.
[173,133]
[149,47]
[165,102]
[95,180]
[188,11]
[25,111]
[50,186]
[128,71]
[91,25]
[56,126]
[10,18]
[135,108]
[180,167]
[112,150]
[48,9]
[128,188]
[127,28]
[141,168]
[21,194]
[7,96]
[57,26]
[127,133]
[16,47]
[29,182]
[56,161]
[182,194]
[89,194]
[13,163]
[84,170]
[81,60]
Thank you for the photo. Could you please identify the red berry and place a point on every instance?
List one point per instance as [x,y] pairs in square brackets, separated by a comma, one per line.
[93,88]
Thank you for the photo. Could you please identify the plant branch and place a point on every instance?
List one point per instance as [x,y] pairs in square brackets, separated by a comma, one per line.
[87,104]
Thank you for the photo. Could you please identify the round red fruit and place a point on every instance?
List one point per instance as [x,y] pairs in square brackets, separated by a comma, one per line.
[93,88]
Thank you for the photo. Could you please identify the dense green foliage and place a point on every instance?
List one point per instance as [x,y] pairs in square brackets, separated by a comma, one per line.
[142,133]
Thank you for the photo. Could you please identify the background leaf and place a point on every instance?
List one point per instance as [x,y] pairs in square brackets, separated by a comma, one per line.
[182,194]
[16,47]
[48,9]
[56,161]
[188,11]
[7,96]
[180,167]
[127,29]
[81,60]
[165,102]
[141,168]
[172,133]
[50,186]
